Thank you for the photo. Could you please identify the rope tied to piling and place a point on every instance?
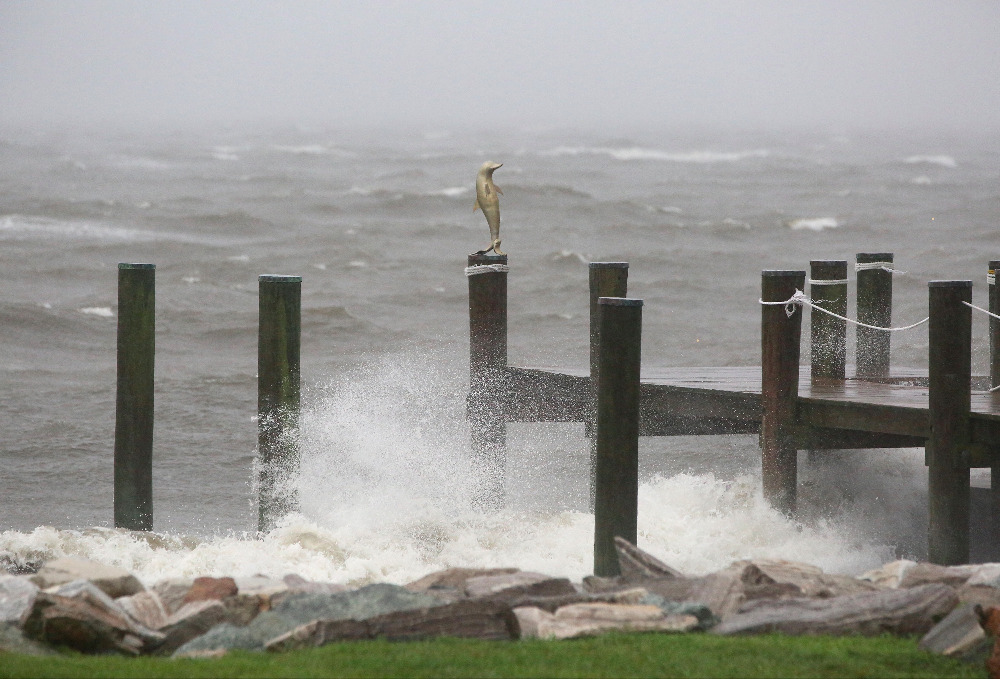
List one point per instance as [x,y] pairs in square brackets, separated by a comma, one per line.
[801,299]
[884,266]
[991,278]
[988,313]
[486,268]
[833,281]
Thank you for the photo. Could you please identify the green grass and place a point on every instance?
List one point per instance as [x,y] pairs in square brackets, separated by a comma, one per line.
[650,655]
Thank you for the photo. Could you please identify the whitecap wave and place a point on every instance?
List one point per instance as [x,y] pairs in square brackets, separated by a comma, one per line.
[943,161]
[450,192]
[312,150]
[20,226]
[813,224]
[102,311]
[639,153]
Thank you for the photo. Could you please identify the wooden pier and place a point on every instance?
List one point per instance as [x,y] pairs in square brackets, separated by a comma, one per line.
[941,408]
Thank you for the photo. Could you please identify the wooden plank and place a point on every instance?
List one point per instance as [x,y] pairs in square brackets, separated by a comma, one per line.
[726,400]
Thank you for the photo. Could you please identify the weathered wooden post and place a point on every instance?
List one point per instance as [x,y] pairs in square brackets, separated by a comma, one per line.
[133,501]
[488,384]
[828,289]
[607,279]
[616,502]
[780,335]
[950,364]
[994,307]
[874,308]
[278,345]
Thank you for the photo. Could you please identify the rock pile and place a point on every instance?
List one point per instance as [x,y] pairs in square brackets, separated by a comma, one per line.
[92,608]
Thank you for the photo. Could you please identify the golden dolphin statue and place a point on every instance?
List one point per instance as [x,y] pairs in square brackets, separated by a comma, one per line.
[487,200]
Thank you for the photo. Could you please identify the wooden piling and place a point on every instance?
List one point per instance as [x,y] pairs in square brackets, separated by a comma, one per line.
[133,464]
[828,350]
[780,337]
[874,308]
[607,279]
[278,367]
[994,338]
[488,384]
[950,366]
[994,307]
[617,465]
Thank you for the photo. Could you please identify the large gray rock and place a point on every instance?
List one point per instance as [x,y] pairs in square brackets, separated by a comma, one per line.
[635,564]
[81,616]
[894,611]
[590,619]
[888,575]
[810,580]
[470,619]
[12,640]
[172,592]
[190,622]
[17,595]
[634,595]
[454,578]
[114,581]
[926,573]
[145,608]
[264,588]
[523,581]
[297,609]
[959,635]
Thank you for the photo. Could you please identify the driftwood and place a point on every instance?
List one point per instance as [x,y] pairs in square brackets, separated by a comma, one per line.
[491,620]
[899,611]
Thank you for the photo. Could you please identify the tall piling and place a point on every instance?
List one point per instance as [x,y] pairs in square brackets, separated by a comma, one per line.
[994,338]
[133,464]
[950,365]
[874,308]
[617,466]
[607,279]
[994,307]
[828,347]
[488,384]
[780,336]
[278,389]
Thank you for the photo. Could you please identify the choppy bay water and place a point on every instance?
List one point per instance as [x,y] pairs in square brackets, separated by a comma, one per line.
[378,223]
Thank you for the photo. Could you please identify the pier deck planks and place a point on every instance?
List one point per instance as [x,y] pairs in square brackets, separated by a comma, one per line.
[832,414]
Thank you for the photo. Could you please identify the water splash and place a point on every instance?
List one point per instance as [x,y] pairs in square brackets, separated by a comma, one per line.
[386,489]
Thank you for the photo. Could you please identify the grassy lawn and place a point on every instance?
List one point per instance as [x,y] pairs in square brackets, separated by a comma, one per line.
[651,655]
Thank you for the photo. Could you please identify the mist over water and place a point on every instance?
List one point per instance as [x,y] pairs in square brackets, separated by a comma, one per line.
[378,225]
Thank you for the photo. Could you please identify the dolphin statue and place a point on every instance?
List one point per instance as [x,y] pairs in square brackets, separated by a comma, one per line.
[487,200]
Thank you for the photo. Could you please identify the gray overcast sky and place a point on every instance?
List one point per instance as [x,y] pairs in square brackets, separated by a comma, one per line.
[885,63]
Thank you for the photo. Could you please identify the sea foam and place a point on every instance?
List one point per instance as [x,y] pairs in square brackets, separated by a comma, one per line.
[386,485]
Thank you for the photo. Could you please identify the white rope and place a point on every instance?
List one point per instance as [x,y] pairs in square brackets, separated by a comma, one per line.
[800,299]
[842,281]
[884,266]
[988,313]
[991,278]
[486,268]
